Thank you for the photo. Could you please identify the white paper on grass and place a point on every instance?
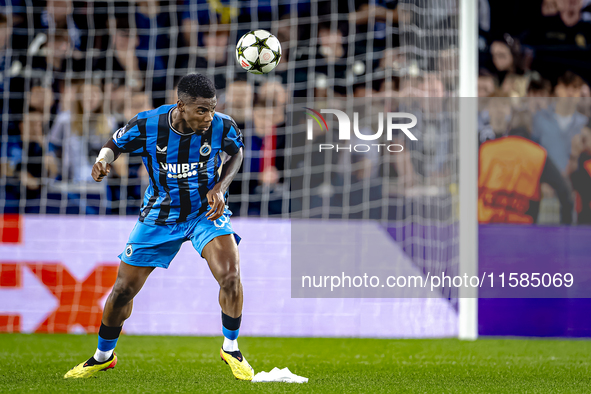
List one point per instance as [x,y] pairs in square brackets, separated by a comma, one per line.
[279,375]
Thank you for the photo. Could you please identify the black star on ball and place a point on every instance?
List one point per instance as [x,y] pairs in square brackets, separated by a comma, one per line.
[260,43]
[256,66]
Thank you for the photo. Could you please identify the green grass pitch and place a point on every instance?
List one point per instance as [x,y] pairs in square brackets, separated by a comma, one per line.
[36,363]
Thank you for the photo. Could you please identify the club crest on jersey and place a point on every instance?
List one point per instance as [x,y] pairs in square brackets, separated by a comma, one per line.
[128,251]
[205,149]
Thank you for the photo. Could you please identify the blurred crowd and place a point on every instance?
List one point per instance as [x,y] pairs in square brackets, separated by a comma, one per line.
[75,71]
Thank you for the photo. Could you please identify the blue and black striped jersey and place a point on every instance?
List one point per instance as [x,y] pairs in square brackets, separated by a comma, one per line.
[182,167]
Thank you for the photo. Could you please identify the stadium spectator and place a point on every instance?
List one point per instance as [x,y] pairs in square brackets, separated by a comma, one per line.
[50,65]
[331,53]
[5,58]
[549,7]
[506,57]
[383,16]
[211,57]
[563,27]
[78,135]
[539,92]
[207,13]
[286,32]
[511,169]
[40,98]
[493,115]
[150,20]
[515,85]
[487,83]
[447,67]
[555,126]
[128,173]
[539,87]
[9,69]
[265,151]
[584,106]
[203,13]
[331,42]
[586,11]
[25,167]
[238,101]
[58,16]
[121,67]
[579,170]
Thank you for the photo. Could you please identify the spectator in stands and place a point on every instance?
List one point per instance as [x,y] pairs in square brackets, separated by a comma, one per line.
[208,13]
[493,115]
[564,28]
[331,42]
[128,170]
[579,169]
[5,60]
[122,69]
[511,169]
[202,13]
[25,170]
[238,100]
[549,7]
[78,135]
[9,69]
[383,14]
[539,92]
[331,54]
[58,16]
[211,57]
[40,98]
[150,20]
[586,11]
[515,85]
[490,110]
[506,57]
[286,32]
[53,68]
[584,106]
[555,126]
[265,153]
[487,83]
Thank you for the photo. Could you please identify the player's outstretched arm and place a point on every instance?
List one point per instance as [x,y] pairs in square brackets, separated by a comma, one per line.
[107,155]
[215,197]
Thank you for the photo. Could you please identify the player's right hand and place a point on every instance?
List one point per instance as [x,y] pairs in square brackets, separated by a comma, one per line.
[99,171]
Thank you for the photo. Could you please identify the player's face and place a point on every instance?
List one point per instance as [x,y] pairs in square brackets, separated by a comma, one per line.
[198,114]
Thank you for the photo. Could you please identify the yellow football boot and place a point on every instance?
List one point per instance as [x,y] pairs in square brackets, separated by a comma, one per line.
[240,367]
[90,367]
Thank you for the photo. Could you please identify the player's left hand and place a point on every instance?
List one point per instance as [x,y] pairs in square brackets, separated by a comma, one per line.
[215,199]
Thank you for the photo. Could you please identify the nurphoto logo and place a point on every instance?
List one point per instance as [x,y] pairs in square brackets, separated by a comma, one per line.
[392,123]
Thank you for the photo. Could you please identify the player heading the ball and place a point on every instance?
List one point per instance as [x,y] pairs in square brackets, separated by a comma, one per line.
[182,146]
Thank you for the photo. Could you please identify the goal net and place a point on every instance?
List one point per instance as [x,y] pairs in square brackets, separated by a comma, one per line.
[73,74]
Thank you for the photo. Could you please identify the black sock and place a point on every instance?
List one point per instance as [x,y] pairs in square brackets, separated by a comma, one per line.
[108,333]
[231,323]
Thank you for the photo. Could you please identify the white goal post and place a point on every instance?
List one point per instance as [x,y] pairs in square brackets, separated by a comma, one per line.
[468,171]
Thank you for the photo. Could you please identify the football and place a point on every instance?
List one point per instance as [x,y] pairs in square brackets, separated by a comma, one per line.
[258,52]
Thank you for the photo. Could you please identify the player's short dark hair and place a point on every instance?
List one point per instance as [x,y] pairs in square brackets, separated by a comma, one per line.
[195,85]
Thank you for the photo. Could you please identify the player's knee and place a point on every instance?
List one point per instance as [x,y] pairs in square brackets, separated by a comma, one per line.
[230,281]
[122,294]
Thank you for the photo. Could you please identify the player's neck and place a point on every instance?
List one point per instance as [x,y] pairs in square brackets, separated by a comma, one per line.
[179,123]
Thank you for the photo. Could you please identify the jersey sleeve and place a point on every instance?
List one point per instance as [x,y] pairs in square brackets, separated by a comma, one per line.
[131,138]
[232,140]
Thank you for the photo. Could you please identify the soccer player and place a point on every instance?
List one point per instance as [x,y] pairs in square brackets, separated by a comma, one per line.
[181,146]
